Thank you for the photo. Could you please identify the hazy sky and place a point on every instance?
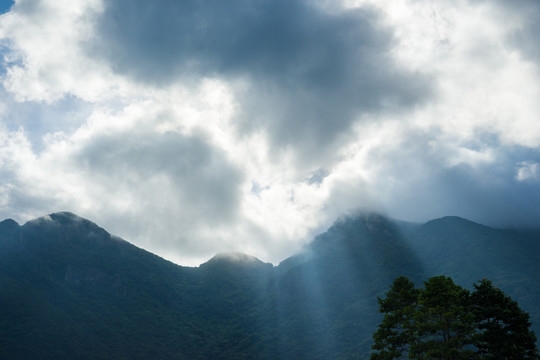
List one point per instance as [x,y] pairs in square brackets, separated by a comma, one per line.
[195,127]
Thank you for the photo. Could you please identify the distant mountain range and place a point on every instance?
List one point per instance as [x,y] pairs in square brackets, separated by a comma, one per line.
[68,289]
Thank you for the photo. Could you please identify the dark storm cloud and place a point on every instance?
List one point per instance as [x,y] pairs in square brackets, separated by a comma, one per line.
[309,72]
[159,40]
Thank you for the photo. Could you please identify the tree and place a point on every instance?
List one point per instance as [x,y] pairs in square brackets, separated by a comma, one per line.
[503,327]
[444,323]
[395,333]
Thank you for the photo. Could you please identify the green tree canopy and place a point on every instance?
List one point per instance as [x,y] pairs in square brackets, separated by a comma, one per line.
[395,334]
[447,322]
[443,321]
[503,327]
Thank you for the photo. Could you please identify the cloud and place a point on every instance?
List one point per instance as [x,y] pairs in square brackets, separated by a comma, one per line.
[196,127]
[528,171]
[44,52]
[524,37]
[523,22]
[190,169]
[158,186]
[303,74]
[163,40]
[415,175]
[487,193]
[166,186]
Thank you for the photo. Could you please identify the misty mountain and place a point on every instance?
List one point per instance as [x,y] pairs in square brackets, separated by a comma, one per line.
[68,289]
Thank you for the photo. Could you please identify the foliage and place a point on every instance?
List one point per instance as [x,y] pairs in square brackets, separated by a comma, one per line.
[395,334]
[503,327]
[445,321]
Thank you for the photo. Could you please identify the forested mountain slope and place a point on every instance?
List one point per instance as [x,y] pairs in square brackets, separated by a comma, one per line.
[68,289]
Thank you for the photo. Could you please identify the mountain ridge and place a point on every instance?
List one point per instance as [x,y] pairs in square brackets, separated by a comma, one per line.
[70,287]
[68,218]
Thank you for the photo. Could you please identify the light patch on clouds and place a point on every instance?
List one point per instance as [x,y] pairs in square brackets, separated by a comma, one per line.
[191,133]
[528,171]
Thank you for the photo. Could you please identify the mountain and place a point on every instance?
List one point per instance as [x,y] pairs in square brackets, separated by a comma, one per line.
[468,252]
[68,289]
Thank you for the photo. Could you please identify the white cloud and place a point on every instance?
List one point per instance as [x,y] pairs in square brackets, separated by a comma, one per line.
[47,56]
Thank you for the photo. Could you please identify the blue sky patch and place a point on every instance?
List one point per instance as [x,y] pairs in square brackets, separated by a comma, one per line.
[5,5]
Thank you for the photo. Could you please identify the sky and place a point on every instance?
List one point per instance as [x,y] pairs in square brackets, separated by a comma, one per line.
[197,127]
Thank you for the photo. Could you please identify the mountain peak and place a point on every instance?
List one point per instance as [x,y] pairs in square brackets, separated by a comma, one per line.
[452,218]
[8,228]
[363,216]
[455,222]
[63,218]
[355,226]
[235,259]
[8,223]
[71,226]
